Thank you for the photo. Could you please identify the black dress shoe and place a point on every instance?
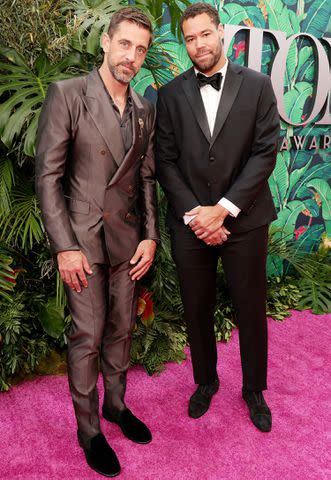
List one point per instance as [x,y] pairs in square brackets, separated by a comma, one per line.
[258,409]
[101,457]
[201,398]
[133,428]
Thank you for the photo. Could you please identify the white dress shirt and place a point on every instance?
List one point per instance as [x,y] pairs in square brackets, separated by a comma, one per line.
[211,99]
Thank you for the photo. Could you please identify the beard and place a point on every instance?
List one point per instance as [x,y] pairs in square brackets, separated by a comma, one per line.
[204,65]
[121,75]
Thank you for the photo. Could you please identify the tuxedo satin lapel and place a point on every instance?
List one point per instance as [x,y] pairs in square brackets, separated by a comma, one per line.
[193,96]
[98,105]
[231,87]
[138,116]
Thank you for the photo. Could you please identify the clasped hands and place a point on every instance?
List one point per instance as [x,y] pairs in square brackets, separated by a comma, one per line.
[207,224]
[73,265]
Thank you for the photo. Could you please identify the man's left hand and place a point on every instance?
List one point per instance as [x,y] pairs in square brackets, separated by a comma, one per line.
[208,220]
[144,256]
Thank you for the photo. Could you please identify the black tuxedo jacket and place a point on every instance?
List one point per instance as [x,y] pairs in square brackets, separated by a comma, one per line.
[195,168]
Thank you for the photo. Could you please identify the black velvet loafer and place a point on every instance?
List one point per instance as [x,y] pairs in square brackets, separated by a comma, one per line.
[133,428]
[259,411]
[101,457]
[201,398]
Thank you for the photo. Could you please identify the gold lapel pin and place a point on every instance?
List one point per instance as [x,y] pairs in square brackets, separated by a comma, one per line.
[141,125]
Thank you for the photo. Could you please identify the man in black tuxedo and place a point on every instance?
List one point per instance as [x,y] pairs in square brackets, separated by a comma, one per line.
[217,131]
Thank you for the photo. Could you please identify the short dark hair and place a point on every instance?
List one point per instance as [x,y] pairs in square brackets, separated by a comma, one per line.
[130,14]
[197,9]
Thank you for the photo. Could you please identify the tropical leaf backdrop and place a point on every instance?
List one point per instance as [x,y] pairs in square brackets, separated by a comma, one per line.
[42,41]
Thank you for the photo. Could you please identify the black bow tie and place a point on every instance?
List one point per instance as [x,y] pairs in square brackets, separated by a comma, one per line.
[215,80]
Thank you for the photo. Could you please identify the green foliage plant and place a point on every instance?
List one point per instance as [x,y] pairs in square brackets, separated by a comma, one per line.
[22,343]
[7,275]
[42,41]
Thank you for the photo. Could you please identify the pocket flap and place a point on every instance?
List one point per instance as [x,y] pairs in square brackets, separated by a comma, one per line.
[79,206]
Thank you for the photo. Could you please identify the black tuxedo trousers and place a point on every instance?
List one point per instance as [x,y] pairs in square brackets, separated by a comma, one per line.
[243,257]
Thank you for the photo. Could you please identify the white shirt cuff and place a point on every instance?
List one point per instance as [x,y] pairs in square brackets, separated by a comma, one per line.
[188,218]
[233,209]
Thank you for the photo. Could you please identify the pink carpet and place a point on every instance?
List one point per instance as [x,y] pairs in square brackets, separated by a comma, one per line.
[37,427]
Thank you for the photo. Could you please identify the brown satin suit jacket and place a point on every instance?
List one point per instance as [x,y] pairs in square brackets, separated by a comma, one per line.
[91,198]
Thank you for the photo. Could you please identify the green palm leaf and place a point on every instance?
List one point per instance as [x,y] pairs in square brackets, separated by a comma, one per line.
[282,246]
[255,15]
[6,183]
[156,9]
[159,63]
[298,174]
[142,80]
[179,56]
[324,191]
[24,89]
[300,158]
[315,171]
[312,206]
[287,217]
[295,99]
[315,295]
[233,13]
[317,18]
[291,62]
[23,225]
[161,59]
[52,319]
[310,238]
[279,180]
[7,275]
[281,18]
[306,64]
[93,18]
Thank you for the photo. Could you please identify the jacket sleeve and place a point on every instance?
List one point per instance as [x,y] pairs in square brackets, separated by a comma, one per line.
[148,184]
[262,159]
[178,193]
[54,135]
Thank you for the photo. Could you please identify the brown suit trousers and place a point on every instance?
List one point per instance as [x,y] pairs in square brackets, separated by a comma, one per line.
[103,317]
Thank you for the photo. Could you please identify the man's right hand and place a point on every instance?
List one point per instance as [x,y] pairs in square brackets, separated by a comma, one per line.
[72,267]
[218,237]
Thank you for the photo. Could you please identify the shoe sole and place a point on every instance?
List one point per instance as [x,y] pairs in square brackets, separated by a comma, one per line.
[108,475]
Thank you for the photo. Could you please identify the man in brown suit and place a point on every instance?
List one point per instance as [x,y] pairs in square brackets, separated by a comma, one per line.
[95,181]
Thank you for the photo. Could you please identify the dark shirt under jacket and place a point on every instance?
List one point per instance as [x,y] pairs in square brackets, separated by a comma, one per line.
[125,121]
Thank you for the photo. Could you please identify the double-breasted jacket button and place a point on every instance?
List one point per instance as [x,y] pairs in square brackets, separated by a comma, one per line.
[211,158]
[103,152]
[130,188]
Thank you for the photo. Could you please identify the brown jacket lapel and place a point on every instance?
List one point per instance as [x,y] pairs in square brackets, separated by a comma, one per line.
[97,103]
[138,119]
